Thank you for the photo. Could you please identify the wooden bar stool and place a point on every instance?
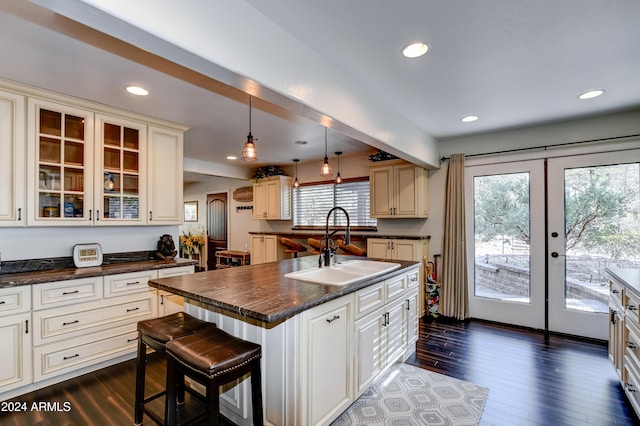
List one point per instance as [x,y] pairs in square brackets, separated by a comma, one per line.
[213,358]
[155,333]
[351,249]
[292,246]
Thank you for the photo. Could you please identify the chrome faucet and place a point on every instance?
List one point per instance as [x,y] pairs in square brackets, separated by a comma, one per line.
[327,237]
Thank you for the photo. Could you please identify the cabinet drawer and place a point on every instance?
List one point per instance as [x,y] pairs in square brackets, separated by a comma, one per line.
[134,282]
[413,279]
[631,306]
[66,322]
[61,293]
[70,355]
[632,342]
[15,300]
[631,383]
[616,291]
[369,299]
[395,286]
[173,272]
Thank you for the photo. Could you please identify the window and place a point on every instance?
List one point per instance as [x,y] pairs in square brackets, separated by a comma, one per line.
[311,203]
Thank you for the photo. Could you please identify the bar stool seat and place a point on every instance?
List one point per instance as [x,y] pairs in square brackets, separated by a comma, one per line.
[351,249]
[292,246]
[213,358]
[155,333]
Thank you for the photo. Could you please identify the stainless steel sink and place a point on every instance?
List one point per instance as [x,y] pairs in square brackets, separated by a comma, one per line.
[345,272]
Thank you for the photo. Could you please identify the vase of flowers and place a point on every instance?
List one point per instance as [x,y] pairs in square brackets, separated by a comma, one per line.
[191,244]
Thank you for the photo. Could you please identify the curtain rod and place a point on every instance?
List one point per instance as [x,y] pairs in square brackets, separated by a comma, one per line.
[545,146]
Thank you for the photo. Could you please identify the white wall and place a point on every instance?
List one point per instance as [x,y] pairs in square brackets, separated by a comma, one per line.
[38,243]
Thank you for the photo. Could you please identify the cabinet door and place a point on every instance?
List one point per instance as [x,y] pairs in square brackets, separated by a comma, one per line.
[405,249]
[16,366]
[60,165]
[379,248]
[406,187]
[327,388]
[395,330]
[169,303]
[12,160]
[165,149]
[270,248]
[411,307]
[369,340]
[259,201]
[257,249]
[272,189]
[121,171]
[382,197]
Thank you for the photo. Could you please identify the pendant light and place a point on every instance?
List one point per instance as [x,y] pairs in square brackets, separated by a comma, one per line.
[249,152]
[325,171]
[295,182]
[338,177]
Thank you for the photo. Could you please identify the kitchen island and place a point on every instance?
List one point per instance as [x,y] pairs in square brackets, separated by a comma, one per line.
[322,345]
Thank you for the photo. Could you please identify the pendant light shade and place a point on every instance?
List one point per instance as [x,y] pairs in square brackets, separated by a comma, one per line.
[338,177]
[295,182]
[325,171]
[249,152]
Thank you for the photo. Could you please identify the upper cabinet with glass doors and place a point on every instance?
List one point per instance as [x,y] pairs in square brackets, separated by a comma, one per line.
[60,166]
[121,177]
[87,168]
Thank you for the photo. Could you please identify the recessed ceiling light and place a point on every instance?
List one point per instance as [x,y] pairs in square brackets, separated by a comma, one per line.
[139,91]
[469,118]
[231,157]
[591,94]
[415,50]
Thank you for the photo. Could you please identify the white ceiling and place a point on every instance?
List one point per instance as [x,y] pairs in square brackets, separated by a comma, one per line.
[512,63]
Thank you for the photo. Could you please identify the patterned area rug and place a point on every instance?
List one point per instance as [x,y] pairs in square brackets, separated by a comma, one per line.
[407,395]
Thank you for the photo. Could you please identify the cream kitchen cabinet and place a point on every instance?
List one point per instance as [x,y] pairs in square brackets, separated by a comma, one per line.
[15,329]
[170,303]
[60,164]
[12,159]
[399,190]
[326,360]
[265,248]
[165,176]
[616,326]
[397,248]
[272,198]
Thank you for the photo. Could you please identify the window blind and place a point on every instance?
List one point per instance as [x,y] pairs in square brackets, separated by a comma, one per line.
[311,203]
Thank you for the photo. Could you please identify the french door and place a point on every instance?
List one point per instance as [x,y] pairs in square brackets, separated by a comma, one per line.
[542,232]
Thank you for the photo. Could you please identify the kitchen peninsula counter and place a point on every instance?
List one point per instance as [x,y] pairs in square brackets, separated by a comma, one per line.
[316,339]
[261,292]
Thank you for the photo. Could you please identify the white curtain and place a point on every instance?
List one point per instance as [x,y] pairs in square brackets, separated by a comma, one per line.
[454,297]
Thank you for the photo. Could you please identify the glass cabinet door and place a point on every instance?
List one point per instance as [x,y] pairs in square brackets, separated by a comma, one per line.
[121,182]
[62,170]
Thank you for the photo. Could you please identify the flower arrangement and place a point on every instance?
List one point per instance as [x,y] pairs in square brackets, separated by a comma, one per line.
[192,243]
[267,171]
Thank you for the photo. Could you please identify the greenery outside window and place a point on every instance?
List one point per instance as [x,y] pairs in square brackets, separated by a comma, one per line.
[312,202]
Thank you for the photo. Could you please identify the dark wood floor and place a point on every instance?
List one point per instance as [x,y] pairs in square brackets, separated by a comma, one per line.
[533,379]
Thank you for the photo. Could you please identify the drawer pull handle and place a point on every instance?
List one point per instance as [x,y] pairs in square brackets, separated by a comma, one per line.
[134,283]
[132,340]
[614,291]
[630,344]
[632,307]
[630,387]
[413,278]
[70,357]
[70,322]
[133,309]
[65,293]
[335,317]
[2,302]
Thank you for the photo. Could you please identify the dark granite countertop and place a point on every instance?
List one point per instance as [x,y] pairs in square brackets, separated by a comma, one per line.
[627,276]
[45,276]
[261,292]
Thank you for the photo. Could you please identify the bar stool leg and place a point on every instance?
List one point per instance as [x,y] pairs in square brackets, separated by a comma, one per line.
[141,366]
[256,394]
[213,404]
[170,408]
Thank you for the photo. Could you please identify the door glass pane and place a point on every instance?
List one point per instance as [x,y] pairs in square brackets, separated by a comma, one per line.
[501,228]
[602,228]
